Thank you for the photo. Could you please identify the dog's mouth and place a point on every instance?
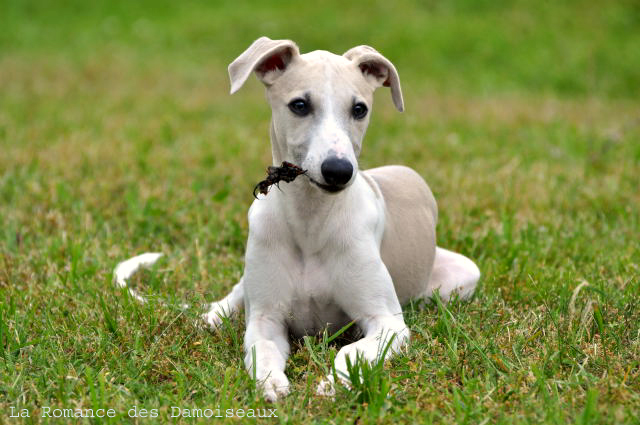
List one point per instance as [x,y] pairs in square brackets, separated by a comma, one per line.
[328,188]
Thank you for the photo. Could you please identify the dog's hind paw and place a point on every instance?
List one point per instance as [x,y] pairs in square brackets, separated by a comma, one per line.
[214,317]
[326,387]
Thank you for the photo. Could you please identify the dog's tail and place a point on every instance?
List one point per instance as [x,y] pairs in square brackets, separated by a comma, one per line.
[128,268]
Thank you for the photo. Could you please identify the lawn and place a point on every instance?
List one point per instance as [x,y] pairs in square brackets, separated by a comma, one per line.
[118,136]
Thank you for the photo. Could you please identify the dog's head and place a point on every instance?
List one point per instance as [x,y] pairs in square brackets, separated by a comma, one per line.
[321,103]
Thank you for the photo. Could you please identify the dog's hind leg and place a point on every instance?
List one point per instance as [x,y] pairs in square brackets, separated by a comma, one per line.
[452,273]
[226,307]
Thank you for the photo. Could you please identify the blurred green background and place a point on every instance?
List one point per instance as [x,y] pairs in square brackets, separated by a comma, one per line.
[572,47]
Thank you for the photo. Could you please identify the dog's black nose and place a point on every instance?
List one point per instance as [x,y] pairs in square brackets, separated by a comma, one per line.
[336,171]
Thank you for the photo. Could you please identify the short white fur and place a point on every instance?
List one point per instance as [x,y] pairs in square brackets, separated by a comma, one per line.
[316,259]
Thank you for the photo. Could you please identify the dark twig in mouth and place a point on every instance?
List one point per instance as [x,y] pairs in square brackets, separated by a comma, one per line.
[287,172]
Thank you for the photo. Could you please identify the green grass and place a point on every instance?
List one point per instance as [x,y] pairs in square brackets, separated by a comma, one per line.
[118,136]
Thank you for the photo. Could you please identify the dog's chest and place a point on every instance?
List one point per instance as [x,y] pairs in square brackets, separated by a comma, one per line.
[313,306]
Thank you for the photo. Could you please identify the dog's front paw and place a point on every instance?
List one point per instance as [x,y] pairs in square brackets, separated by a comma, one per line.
[213,318]
[275,386]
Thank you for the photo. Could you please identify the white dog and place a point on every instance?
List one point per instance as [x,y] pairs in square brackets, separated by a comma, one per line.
[343,244]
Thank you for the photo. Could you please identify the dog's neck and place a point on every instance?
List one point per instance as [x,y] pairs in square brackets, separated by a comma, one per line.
[312,215]
[278,156]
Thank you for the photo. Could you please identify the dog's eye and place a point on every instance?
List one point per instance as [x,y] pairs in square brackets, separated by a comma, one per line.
[300,107]
[359,110]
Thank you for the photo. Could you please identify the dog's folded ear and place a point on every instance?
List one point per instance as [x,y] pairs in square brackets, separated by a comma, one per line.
[377,69]
[268,58]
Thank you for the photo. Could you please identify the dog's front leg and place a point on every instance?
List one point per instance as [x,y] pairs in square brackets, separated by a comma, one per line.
[386,335]
[266,352]
[374,305]
[270,265]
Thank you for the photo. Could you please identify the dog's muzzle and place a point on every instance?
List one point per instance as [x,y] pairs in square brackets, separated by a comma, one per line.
[337,172]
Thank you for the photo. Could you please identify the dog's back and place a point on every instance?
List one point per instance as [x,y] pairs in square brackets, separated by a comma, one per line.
[409,242]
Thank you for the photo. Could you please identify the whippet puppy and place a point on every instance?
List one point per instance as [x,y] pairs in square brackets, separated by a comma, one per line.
[343,244]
